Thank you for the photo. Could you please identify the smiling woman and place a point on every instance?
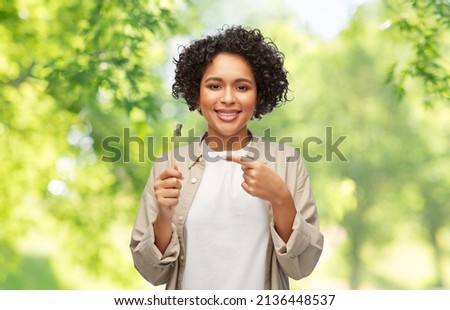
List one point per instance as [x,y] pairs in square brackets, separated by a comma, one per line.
[218,220]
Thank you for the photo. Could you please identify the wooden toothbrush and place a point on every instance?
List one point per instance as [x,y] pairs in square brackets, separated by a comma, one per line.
[176,133]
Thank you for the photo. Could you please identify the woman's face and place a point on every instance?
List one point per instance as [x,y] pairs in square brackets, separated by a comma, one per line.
[228,98]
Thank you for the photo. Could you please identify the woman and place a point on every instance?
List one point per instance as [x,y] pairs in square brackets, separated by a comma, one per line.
[235,212]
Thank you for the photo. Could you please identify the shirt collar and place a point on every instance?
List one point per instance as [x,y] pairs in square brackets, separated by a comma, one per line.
[198,153]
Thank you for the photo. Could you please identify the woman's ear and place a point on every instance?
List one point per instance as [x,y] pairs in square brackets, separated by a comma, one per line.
[198,108]
[197,104]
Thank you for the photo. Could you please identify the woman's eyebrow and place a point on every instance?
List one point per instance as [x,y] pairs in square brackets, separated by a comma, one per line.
[218,79]
[244,80]
[213,78]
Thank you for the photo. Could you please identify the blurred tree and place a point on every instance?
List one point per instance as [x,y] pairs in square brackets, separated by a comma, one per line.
[386,145]
[71,74]
[425,26]
[434,213]
[423,71]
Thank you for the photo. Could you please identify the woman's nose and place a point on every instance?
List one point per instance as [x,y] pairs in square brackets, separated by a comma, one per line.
[228,96]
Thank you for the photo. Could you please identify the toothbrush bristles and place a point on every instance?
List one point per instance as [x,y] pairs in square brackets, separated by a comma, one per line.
[177,131]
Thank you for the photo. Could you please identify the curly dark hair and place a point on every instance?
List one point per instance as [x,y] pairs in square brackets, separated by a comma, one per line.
[261,53]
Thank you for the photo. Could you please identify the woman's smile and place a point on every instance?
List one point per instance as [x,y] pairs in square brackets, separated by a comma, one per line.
[227,115]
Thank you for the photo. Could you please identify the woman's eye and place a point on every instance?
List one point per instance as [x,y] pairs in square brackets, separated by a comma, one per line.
[242,88]
[214,86]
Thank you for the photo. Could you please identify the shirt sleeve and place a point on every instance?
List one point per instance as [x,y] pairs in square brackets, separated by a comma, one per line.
[300,254]
[154,266]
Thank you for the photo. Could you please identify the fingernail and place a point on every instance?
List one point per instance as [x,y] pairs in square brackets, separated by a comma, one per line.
[247,158]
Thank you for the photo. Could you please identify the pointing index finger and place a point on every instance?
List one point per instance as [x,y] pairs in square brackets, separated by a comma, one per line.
[242,160]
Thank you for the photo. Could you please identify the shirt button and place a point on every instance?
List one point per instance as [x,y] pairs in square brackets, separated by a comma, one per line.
[193,180]
[180,218]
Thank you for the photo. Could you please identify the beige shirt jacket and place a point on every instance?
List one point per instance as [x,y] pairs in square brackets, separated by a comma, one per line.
[296,259]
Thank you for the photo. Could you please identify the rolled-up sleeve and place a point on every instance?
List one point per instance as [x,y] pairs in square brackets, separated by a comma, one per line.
[154,266]
[299,255]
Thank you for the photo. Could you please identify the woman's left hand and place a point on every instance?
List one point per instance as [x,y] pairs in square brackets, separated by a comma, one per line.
[259,180]
[264,183]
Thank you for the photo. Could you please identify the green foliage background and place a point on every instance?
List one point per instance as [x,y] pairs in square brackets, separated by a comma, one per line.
[73,73]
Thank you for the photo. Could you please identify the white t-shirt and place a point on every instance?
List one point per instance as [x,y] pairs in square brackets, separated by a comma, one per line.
[226,230]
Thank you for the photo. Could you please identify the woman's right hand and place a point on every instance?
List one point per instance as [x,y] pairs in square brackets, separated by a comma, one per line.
[167,191]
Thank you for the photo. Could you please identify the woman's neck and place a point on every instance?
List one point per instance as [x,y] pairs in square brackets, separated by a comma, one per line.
[233,143]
